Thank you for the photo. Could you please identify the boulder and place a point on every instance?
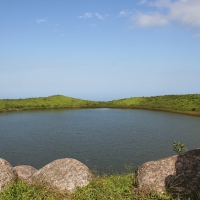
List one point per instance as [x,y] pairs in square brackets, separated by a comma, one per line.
[63,174]
[7,174]
[25,172]
[175,174]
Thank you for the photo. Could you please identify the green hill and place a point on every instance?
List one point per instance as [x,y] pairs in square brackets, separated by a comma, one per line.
[56,101]
[186,104]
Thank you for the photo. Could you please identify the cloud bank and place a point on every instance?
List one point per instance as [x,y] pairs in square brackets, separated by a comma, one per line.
[184,12]
[124,13]
[86,15]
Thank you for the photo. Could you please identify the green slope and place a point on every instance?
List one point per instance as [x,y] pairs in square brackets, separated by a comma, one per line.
[187,104]
[56,101]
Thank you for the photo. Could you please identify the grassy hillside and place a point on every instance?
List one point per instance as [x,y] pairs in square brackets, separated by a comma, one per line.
[187,104]
[57,101]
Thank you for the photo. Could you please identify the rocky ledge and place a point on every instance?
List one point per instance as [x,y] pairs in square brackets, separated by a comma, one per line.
[62,174]
[175,174]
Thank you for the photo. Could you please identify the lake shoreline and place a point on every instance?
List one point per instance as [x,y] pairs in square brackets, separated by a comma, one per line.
[191,113]
[182,104]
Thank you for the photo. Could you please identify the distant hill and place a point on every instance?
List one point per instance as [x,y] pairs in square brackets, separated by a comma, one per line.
[186,104]
[56,101]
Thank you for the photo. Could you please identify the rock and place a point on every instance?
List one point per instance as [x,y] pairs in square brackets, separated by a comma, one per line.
[151,175]
[63,174]
[7,174]
[25,173]
[175,174]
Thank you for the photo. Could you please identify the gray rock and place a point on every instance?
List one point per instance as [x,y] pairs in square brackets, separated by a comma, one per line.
[175,174]
[7,174]
[25,173]
[151,175]
[63,174]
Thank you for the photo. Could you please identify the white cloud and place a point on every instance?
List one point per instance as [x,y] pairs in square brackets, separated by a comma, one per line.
[160,3]
[185,12]
[197,35]
[90,15]
[99,16]
[41,20]
[145,20]
[90,25]
[124,13]
[142,1]
[86,15]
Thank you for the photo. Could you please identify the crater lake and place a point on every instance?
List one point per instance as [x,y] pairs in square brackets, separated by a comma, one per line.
[104,139]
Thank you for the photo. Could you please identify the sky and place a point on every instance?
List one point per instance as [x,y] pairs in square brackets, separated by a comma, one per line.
[98,49]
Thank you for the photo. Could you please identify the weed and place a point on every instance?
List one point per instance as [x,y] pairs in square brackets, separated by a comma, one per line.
[179,147]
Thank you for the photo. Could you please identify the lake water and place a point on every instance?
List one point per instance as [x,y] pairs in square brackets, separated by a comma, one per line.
[104,139]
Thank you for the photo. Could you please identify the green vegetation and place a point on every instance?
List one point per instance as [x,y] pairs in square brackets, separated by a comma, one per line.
[115,186]
[179,147]
[22,191]
[106,187]
[186,104]
[56,101]
[111,187]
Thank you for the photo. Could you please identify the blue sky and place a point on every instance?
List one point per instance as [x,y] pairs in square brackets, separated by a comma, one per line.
[99,50]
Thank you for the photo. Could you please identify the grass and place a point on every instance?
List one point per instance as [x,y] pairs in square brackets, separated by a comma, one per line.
[115,186]
[23,191]
[105,187]
[169,102]
[56,101]
[185,104]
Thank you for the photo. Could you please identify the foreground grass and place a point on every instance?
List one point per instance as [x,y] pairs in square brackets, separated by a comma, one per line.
[22,191]
[186,104]
[106,187]
[115,187]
